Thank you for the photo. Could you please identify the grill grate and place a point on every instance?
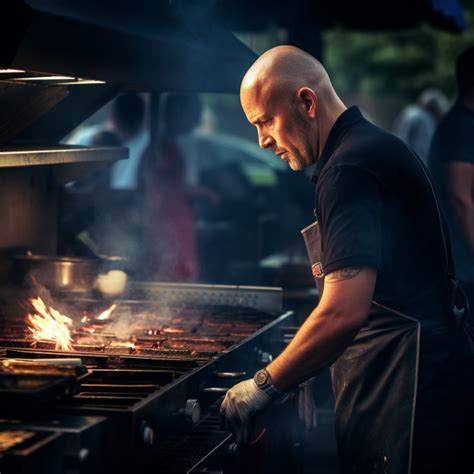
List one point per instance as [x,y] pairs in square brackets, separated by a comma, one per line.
[155,332]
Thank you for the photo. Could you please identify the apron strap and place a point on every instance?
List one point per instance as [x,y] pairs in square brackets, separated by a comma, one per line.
[459,301]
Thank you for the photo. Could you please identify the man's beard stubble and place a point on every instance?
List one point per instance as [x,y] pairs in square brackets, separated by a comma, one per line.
[303,132]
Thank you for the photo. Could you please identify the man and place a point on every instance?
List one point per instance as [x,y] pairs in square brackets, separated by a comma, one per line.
[384,320]
[452,166]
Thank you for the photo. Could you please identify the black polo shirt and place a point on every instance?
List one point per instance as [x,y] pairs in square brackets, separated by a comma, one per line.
[375,209]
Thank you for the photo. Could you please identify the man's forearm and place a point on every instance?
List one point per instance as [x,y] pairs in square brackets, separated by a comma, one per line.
[320,340]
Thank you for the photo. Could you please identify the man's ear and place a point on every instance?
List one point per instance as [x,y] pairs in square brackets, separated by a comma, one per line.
[309,99]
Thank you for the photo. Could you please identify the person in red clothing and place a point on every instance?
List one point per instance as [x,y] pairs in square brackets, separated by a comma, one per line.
[170,251]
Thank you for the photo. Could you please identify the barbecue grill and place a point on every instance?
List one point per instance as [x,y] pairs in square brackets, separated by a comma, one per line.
[152,391]
[145,396]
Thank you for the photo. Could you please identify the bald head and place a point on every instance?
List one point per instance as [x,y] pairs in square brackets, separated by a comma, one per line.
[286,68]
[288,96]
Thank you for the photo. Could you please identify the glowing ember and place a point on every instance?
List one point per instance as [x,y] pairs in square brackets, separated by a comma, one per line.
[49,324]
[130,345]
[173,330]
[106,314]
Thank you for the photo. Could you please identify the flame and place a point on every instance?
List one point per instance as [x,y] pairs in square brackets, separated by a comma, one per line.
[50,324]
[106,314]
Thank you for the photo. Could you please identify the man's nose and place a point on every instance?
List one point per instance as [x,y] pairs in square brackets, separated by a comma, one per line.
[265,141]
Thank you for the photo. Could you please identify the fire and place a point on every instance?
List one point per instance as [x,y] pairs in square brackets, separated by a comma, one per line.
[49,324]
[106,314]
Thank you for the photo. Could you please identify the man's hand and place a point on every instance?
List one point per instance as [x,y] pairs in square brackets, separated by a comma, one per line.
[241,403]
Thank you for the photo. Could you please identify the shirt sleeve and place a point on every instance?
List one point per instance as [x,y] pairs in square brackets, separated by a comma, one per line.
[349,203]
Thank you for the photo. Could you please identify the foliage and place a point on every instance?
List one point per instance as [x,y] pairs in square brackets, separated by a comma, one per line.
[398,63]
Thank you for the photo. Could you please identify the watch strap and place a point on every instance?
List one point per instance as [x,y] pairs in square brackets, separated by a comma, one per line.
[267,386]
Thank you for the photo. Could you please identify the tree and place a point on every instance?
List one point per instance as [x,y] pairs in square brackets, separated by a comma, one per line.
[398,63]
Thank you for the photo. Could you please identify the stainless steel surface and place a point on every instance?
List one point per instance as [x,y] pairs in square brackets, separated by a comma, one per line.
[14,157]
[259,297]
[56,272]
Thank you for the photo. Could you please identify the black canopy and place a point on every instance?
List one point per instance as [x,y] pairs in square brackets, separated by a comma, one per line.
[154,45]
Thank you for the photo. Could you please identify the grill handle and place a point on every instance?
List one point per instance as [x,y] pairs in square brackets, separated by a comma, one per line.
[219,390]
[223,376]
[230,375]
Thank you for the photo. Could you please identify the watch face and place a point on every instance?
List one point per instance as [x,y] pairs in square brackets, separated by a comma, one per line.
[261,377]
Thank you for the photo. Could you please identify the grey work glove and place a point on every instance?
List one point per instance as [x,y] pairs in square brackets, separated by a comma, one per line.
[241,403]
[307,405]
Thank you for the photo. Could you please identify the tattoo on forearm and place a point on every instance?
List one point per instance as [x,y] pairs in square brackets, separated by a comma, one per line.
[343,274]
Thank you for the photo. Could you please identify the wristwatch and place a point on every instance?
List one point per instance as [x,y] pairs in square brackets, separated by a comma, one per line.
[264,382]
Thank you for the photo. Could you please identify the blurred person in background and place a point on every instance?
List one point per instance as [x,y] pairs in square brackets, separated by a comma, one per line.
[452,166]
[170,248]
[417,123]
[125,127]
[103,211]
[128,122]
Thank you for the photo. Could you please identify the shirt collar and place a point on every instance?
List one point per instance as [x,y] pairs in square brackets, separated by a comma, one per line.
[348,118]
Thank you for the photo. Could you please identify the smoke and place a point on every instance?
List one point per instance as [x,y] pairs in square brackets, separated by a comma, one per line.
[135,319]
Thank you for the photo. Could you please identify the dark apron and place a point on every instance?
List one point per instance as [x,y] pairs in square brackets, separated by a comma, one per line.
[377,385]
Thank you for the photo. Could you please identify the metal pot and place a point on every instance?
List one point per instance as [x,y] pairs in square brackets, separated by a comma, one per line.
[56,272]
